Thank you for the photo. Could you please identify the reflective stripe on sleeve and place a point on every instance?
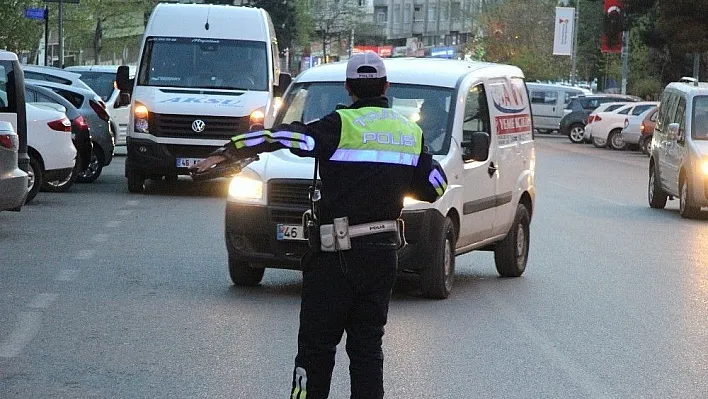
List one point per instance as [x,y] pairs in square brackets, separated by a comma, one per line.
[393,157]
[436,179]
[293,140]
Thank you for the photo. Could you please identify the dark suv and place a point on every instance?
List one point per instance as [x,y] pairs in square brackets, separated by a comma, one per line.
[580,107]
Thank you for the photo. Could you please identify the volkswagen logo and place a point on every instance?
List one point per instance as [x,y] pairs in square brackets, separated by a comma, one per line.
[198,125]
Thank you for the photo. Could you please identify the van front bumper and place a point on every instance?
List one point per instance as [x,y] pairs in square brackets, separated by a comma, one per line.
[149,158]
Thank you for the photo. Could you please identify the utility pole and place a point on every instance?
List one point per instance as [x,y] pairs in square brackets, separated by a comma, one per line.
[625,60]
[46,35]
[61,33]
[573,73]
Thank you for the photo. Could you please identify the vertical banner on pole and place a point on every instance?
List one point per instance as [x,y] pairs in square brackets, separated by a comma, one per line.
[563,37]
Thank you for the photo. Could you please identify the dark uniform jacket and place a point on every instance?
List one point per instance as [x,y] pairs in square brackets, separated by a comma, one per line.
[363,191]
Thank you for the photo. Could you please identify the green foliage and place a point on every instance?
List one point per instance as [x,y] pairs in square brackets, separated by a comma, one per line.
[17,32]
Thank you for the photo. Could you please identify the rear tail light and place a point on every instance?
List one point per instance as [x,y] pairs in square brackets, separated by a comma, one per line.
[100,110]
[80,123]
[591,119]
[9,141]
[60,125]
[597,118]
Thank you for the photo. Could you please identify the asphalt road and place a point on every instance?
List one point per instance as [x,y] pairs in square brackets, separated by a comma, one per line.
[105,294]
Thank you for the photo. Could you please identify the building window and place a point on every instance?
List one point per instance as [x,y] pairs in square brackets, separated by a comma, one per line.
[455,11]
[397,14]
[432,12]
[418,13]
[362,3]
[381,15]
[407,14]
[444,9]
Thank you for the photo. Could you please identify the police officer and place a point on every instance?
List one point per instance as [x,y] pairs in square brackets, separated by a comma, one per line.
[370,158]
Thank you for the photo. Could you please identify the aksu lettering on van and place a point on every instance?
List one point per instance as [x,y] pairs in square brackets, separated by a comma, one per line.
[202,100]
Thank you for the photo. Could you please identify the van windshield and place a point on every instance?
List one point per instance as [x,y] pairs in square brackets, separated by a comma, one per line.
[204,63]
[429,106]
[700,118]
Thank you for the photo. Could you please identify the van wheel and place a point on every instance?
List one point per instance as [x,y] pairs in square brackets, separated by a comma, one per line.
[512,253]
[136,182]
[34,180]
[615,140]
[686,207]
[436,278]
[657,196]
[243,274]
[95,166]
[576,133]
[599,143]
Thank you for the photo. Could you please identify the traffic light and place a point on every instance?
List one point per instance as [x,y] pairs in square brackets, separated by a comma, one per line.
[614,23]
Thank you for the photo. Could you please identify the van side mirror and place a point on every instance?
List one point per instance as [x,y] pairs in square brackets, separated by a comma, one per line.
[475,146]
[673,133]
[284,80]
[123,79]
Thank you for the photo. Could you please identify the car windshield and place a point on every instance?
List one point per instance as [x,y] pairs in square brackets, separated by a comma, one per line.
[700,118]
[100,82]
[204,63]
[429,106]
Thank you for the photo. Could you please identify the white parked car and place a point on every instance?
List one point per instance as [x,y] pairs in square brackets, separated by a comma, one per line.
[476,121]
[606,127]
[635,129]
[52,153]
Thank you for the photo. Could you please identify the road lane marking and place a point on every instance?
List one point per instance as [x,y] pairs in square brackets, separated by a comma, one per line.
[26,329]
[85,254]
[112,224]
[67,275]
[42,301]
[100,237]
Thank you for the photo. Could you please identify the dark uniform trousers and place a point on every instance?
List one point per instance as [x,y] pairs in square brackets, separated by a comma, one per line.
[344,291]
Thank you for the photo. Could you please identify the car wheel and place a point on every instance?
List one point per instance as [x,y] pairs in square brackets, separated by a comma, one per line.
[576,133]
[686,207]
[598,142]
[512,253]
[60,186]
[95,167]
[136,182]
[644,144]
[34,178]
[243,274]
[656,195]
[615,140]
[436,278]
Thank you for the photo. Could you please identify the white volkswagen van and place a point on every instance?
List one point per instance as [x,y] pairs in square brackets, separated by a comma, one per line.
[678,160]
[476,120]
[206,73]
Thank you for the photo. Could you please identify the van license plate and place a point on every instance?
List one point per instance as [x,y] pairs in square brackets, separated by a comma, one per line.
[288,232]
[187,162]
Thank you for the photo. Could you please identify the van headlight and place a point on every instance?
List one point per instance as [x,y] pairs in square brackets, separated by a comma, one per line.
[141,115]
[408,201]
[245,189]
[704,166]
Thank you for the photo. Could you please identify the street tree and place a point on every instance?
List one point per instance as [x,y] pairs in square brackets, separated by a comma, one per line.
[17,32]
[332,19]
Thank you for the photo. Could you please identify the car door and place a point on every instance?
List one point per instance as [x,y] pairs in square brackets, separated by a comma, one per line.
[676,149]
[669,101]
[479,177]
[511,129]
[546,108]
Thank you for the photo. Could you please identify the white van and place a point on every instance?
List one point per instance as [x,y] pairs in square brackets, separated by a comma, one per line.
[678,160]
[476,120]
[548,102]
[206,73]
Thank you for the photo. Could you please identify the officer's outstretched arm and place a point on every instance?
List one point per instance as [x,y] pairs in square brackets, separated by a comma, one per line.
[429,180]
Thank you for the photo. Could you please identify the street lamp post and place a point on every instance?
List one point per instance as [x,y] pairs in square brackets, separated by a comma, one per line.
[575,44]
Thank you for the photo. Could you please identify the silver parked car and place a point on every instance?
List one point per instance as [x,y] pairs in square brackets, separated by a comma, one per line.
[93,108]
[13,181]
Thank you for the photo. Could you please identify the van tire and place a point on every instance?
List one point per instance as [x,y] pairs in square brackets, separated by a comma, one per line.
[686,207]
[512,253]
[436,279]
[242,274]
[35,176]
[576,132]
[656,195]
[136,182]
[615,140]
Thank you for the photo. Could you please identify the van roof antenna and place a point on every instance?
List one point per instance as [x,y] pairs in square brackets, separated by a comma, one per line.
[206,25]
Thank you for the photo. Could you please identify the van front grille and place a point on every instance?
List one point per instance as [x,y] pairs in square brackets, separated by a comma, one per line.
[215,127]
